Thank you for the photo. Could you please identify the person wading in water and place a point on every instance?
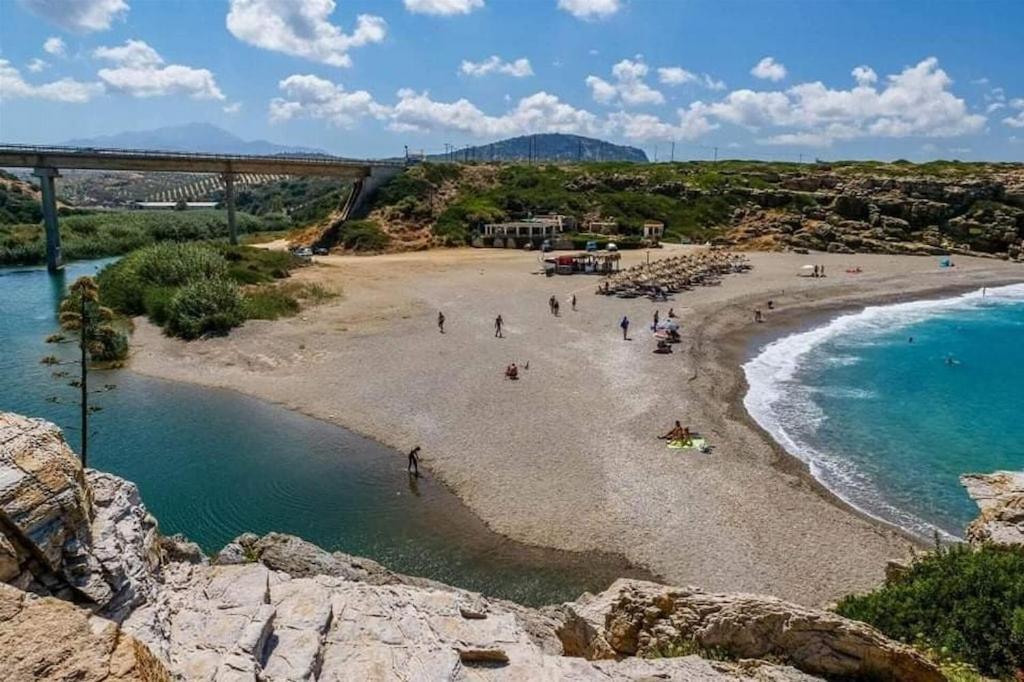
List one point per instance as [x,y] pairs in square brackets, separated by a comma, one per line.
[414,461]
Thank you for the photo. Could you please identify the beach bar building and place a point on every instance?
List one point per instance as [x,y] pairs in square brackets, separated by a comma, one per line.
[528,230]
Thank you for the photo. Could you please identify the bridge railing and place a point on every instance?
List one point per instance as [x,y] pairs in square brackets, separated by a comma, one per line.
[323,160]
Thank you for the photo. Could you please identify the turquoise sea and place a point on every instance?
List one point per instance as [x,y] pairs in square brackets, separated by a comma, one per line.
[890,405]
[213,464]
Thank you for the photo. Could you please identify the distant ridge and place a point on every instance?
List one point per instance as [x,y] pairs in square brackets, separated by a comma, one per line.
[547,147]
[191,137]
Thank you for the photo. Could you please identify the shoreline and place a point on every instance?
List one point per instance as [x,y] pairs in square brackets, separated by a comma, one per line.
[806,317]
[722,522]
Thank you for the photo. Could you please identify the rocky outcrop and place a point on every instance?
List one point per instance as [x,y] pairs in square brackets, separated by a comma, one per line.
[82,536]
[898,215]
[1000,496]
[638,618]
[42,638]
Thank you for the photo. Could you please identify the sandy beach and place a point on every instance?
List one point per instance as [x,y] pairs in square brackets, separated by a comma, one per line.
[568,456]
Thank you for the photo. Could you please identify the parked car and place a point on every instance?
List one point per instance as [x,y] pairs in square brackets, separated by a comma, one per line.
[304,252]
[321,251]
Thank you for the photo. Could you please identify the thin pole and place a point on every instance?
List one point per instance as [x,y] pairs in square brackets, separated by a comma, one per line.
[672,158]
[84,383]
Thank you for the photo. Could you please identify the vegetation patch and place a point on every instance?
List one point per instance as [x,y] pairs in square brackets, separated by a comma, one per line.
[193,290]
[961,603]
[113,233]
[362,235]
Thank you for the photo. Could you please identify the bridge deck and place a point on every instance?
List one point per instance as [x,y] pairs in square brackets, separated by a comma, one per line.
[27,156]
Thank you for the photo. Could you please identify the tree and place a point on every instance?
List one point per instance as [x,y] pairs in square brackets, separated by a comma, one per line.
[81,312]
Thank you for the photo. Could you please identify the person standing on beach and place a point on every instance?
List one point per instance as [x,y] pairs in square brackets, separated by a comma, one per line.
[414,461]
[625,328]
[440,321]
[758,316]
[554,306]
[574,301]
[656,318]
[497,327]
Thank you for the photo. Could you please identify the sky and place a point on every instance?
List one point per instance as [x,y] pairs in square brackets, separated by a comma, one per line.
[770,79]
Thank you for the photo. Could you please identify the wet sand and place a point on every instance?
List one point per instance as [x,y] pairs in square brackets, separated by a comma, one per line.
[568,456]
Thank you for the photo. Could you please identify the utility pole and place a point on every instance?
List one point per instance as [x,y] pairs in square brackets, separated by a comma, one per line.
[716,154]
[655,153]
[672,157]
[229,199]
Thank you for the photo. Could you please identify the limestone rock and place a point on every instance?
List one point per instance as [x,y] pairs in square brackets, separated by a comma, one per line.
[80,535]
[641,618]
[1000,496]
[46,638]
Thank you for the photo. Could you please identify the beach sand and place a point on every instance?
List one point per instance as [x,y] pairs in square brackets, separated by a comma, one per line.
[568,456]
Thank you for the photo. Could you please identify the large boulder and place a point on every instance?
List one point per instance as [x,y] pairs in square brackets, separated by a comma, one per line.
[1000,496]
[80,535]
[42,638]
[638,618]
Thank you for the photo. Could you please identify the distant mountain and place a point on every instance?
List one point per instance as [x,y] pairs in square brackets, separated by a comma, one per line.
[547,147]
[191,137]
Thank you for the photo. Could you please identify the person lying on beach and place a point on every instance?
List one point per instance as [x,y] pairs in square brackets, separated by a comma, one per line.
[678,432]
[512,372]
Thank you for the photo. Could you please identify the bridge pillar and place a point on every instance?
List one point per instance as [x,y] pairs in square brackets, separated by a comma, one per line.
[229,200]
[54,260]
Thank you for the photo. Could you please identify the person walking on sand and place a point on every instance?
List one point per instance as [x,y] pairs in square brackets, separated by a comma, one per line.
[656,318]
[414,461]
[625,328]
[497,327]
[574,301]
[555,305]
[440,321]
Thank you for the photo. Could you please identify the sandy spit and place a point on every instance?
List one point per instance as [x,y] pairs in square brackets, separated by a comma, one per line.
[568,457]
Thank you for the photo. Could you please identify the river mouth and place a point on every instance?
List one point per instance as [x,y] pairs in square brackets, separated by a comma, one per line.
[888,405]
[213,464]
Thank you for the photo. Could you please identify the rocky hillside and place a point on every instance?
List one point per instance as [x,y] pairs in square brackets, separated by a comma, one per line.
[546,147]
[863,207]
[93,592]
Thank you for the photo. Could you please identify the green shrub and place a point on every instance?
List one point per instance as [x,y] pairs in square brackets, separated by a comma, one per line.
[269,302]
[205,306]
[123,284]
[156,301]
[362,235]
[962,602]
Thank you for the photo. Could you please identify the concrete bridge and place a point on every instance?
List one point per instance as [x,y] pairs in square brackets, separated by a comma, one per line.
[46,163]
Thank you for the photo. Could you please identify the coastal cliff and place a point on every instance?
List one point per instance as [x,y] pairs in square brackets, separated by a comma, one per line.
[1000,496]
[83,558]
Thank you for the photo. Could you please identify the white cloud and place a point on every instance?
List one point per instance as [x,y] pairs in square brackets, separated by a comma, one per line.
[12,86]
[55,46]
[628,85]
[1016,120]
[139,71]
[864,75]
[301,28]
[539,112]
[520,68]
[691,125]
[232,108]
[443,8]
[312,97]
[677,75]
[769,69]
[916,102]
[590,9]
[79,16]
[36,65]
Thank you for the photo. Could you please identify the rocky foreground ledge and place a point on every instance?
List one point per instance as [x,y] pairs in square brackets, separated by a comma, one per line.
[93,592]
[1000,496]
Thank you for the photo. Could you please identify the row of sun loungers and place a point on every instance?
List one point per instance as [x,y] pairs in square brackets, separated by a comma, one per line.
[672,275]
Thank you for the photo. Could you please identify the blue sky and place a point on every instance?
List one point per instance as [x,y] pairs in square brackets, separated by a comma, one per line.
[773,80]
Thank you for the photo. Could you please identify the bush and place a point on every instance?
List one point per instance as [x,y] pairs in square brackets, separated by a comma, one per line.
[962,602]
[270,303]
[206,306]
[362,235]
[123,285]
